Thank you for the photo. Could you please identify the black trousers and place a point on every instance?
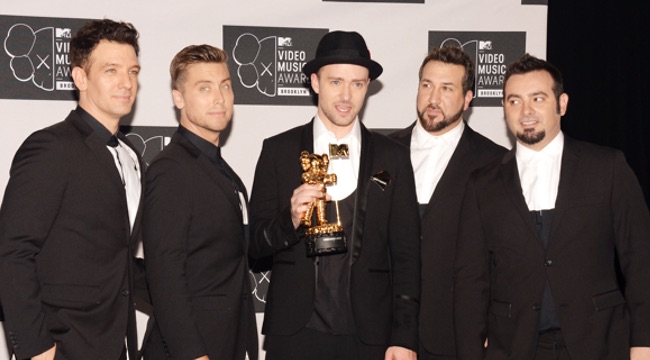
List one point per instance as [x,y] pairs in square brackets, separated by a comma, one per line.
[315,345]
[550,346]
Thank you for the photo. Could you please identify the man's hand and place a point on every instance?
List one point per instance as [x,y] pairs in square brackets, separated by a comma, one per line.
[400,353]
[302,198]
[48,355]
[640,353]
[204,357]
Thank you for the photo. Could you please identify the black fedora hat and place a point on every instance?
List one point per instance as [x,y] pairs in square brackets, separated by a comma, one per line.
[343,47]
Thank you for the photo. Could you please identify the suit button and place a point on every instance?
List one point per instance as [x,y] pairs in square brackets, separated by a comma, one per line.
[548,262]
[245,296]
[125,292]
[536,307]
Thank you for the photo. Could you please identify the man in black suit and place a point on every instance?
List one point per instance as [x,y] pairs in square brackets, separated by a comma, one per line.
[444,151]
[70,214]
[544,232]
[195,224]
[361,303]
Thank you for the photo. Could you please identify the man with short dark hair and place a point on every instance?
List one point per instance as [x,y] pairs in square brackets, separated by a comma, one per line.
[360,301]
[544,233]
[195,224]
[444,151]
[70,215]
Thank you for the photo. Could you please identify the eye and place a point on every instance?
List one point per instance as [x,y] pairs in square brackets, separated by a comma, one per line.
[134,72]
[448,88]
[204,88]
[514,102]
[111,70]
[225,86]
[538,99]
[358,84]
[335,82]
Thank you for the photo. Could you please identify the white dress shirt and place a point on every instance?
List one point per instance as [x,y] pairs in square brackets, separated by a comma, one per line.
[346,170]
[430,156]
[126,162]
[539,172]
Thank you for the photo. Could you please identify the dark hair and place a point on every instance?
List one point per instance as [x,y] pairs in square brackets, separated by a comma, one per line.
[529,63]
[452,54]
[86,39]
[193,54]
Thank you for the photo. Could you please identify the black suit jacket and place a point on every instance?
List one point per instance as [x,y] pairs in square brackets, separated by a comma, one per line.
[439,225]
[66,247]
[385,269]
[502,265]
[195,254]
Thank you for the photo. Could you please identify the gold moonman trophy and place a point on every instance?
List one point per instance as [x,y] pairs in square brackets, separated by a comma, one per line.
[324,238]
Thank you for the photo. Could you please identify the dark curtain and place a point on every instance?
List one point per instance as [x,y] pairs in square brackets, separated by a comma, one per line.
[602,50]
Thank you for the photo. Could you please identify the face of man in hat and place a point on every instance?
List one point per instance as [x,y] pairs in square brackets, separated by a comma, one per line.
[341,90]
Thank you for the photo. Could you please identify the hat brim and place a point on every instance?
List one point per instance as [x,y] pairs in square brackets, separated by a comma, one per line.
[374,69]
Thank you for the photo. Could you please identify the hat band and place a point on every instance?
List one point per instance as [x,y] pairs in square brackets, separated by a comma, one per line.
[345,53]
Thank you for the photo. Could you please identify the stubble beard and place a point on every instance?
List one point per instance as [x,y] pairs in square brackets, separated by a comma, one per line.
[429,125]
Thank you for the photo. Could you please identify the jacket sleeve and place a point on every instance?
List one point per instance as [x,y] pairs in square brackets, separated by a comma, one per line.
[632,236]
[271,226]
[404,242]
[471,281]
[31,202]
[166,222]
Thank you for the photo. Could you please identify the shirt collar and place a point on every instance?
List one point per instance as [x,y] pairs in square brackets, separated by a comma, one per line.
[97,127]
[207,148]
[321,132]
[422,139]
[552,150]
[323,137]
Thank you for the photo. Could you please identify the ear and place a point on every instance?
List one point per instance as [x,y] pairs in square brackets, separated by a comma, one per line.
[564,102]
[80,78]
[315,85]
[178,99]
[469,95]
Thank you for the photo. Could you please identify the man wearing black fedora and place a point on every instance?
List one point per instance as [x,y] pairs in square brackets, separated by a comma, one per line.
[362,300]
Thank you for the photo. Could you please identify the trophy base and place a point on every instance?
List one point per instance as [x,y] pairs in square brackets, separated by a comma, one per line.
[326,244]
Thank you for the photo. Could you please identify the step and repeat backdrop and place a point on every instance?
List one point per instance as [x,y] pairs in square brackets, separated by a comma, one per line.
[268,43]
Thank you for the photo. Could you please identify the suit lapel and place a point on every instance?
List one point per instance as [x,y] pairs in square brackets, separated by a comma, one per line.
[365,172]
[512,184]
[567,172]
[136,224]
[210,169]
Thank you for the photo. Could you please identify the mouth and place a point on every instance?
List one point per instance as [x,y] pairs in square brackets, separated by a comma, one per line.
[528,123]
[343,108]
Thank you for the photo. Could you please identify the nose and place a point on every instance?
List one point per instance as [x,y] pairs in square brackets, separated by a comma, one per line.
[528,109]
[127,80]
[218,97]
[346,93]
[434,97]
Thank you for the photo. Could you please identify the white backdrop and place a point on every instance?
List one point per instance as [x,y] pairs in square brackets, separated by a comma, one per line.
[397,35]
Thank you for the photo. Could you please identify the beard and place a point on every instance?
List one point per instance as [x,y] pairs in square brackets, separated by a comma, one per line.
[428,123]
[530,137]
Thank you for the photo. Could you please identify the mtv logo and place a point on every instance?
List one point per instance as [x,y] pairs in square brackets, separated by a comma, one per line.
[285,41]
[63,33]
[485,45]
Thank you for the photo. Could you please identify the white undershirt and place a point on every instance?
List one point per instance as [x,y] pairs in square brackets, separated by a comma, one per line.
[346,170]
[539,172]
[430,156]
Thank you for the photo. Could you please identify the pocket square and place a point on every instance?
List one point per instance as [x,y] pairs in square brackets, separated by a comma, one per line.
[382,179]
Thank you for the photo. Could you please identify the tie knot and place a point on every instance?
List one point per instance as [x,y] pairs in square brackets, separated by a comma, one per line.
[112,141]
